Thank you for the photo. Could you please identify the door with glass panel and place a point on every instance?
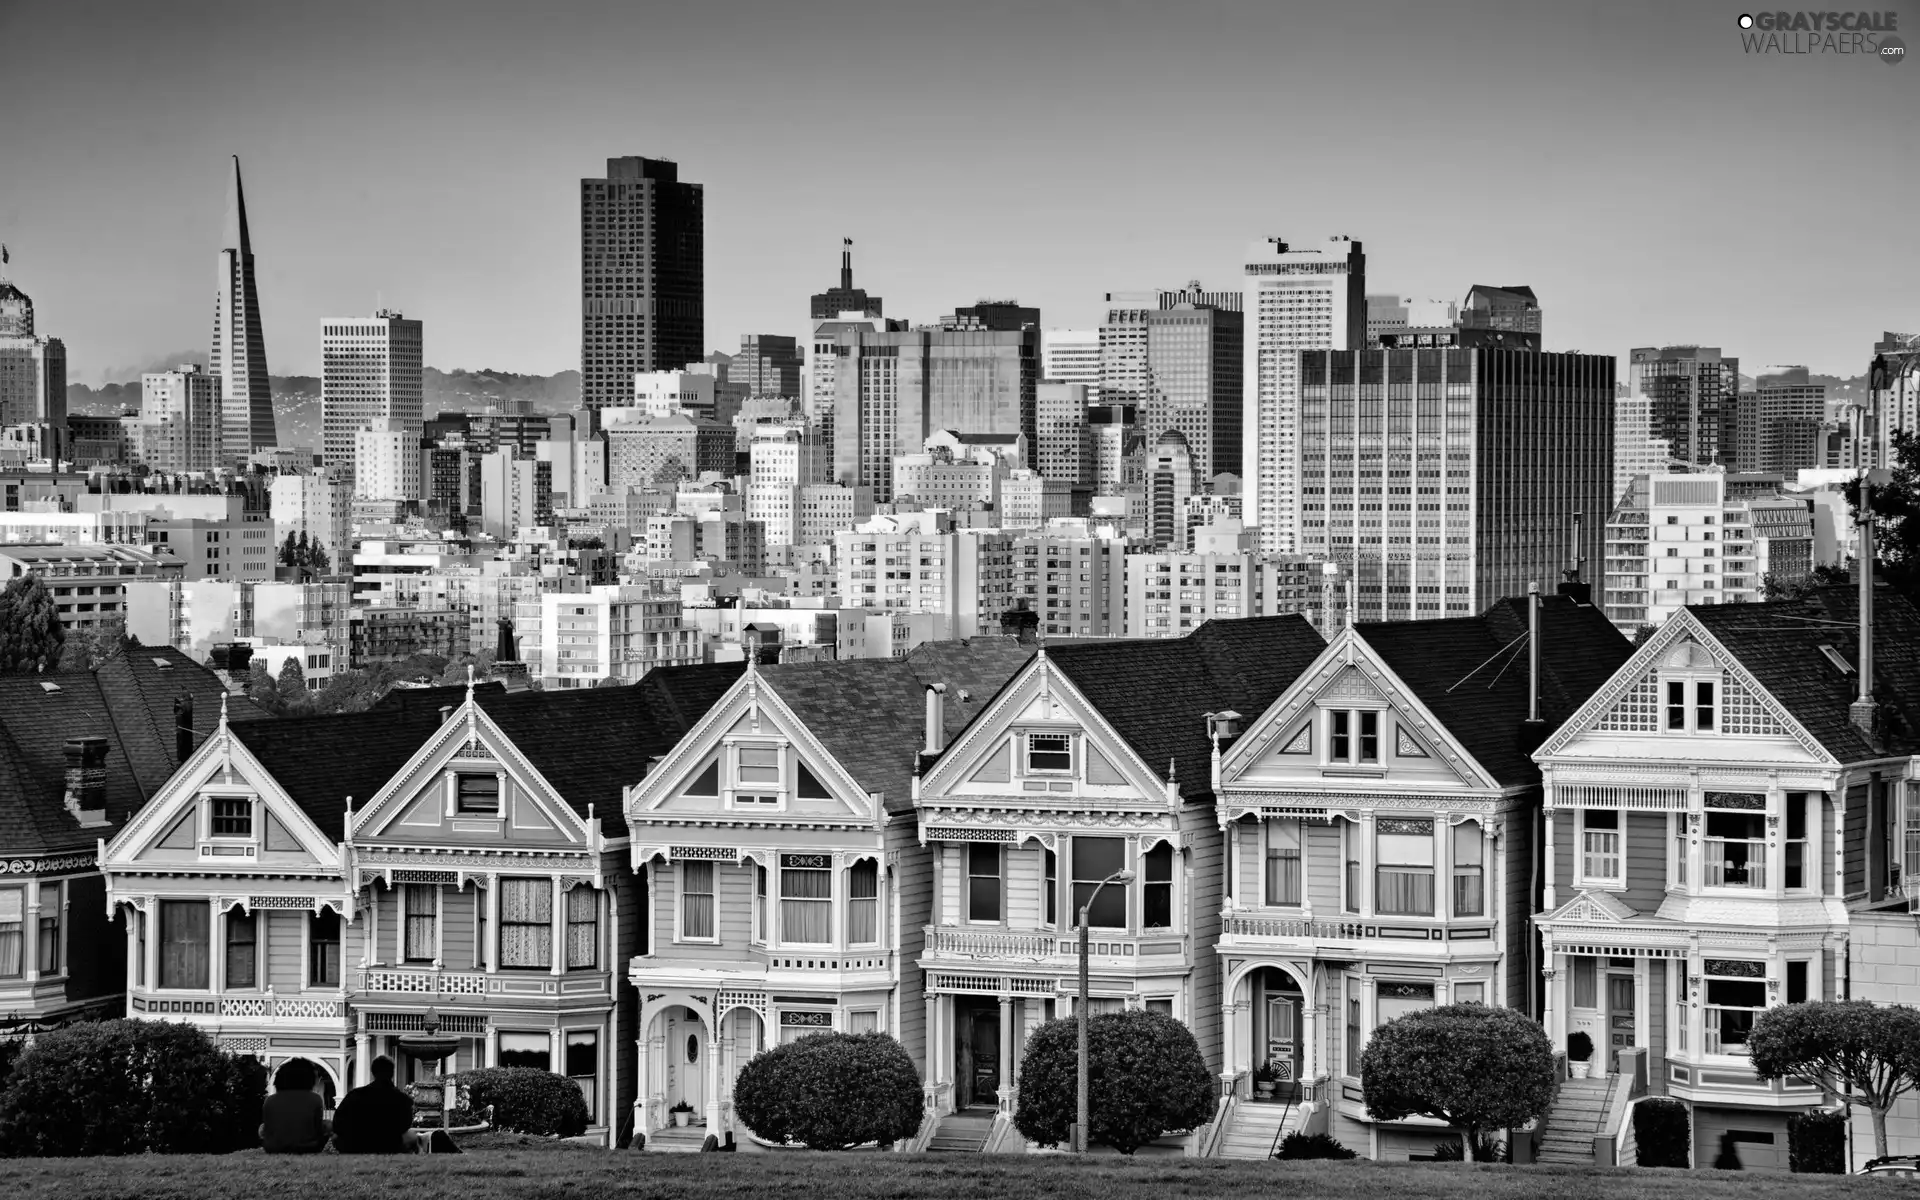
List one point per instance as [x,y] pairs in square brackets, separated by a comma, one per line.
[1621,1018]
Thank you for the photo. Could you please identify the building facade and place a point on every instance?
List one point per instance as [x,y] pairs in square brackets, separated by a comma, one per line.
[370,379]
[642,276]
[181,408]
[238,359]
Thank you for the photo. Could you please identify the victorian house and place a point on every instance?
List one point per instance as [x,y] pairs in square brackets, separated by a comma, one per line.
[1090,767]
[80,752]
[1732,823]
[1379,818]
[787,891]
[319,887]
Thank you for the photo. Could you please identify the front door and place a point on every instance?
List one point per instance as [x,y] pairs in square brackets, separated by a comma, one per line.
[1283,1041]
[688,1047]
[977,1055]
[1620,1015]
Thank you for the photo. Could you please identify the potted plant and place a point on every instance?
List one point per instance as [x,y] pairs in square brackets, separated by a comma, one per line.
[1263,1081]
[682,1114]
[1579,1054]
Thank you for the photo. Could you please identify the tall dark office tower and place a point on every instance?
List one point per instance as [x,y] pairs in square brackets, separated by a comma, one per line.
[1444,479]
[642,277]
[1178,357]
[846,298]
[769,364]
[1675,412]
[238,359]
[1514,309]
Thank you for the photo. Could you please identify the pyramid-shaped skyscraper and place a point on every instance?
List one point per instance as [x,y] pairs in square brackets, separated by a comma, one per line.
[238,358]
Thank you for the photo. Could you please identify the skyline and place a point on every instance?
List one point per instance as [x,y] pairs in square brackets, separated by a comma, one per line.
[991,153]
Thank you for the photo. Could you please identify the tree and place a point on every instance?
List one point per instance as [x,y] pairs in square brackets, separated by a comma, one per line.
[317,558]
[289,553]
[1866,1053]
[831,1091]
[1896,504]
[31,635]
[88,647]
[1145,1077]
[262,690]
[293,681]
[1472,1066]
[1642,632]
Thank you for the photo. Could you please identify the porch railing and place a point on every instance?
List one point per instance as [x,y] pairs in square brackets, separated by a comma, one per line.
[967,943]
[280,1008]
[1248,925]
[423,983]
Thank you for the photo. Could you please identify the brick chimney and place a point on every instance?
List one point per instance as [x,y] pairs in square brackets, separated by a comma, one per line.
[87,780]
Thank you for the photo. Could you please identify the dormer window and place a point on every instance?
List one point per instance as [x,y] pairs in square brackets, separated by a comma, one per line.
[478,794]
[232,817]
[1049,753]
[1692,706]
[758,776]
[1353,736]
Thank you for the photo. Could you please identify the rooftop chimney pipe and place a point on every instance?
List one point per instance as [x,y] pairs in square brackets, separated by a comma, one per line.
[936,719]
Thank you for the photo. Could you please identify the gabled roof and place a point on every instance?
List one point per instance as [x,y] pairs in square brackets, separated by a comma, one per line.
[1779,643]
[870,714]
[1156,693]
[587,743]
[129,702]
[1471,672]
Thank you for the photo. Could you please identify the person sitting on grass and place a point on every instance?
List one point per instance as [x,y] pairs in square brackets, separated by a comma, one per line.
[376,1118]
[293,1120]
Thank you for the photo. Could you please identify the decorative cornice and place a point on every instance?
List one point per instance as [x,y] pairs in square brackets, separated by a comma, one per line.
[51,864]
[1033,822]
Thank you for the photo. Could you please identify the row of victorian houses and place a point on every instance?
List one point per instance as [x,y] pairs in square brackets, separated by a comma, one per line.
[643,887]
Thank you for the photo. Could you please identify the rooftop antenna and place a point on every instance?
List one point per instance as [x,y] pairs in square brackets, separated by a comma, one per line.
[846,264]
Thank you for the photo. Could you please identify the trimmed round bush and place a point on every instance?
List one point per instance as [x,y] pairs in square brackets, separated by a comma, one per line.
[527,1100]
[1296,1147]
[831,1091]
[1663,1132]
[1476,1067]
[130,1087]
[1817,1142]
[1145,1077]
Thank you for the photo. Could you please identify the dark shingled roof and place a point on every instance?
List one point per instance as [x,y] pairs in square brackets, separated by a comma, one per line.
[588,743]
[870,714]
[1780,642]
[1579,651]
[1156,694]
[129,701]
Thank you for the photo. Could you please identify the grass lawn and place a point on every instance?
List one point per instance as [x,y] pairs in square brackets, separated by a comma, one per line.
[504,1171]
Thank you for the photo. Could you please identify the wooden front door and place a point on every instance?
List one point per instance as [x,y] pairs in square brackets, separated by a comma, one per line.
[1283,1040]
[977,1055]
[1621,1019]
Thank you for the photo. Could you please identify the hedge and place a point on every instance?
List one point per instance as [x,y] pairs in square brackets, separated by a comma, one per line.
[830,1091]
[1663,1132]
[1145,1077]
[130,1087]
[1817,1143]
[527,1100]
[1298,1146]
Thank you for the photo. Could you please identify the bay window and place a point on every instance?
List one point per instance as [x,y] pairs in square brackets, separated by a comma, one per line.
[323,949]
[13,936]
[1403,877]
[1052,902]
[583,1063]
[863,903]
[806,899]
[241,963]
[696,901]
[1794,853]
[1736,996]
[1396,1000]
[1469,881]
[1600,845]
[183,943]
[583,928]
[1096,859]
[1354,1045]
[1283,863]
[1797,989]
[983,882]
[526,923]
[1156,888]
[50,894]
[760,927]
[1736,843]
[1350,851]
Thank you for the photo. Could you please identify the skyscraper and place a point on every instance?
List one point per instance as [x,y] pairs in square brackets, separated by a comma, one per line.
[238,360]
[846,298]
[1893,383]
[642,277]
[1178,358]
[1296,299]
[1072,356]
[33,370]
[370,378]
[1514,309]
[1446,478]
[1777,428]
[1676,410]
[181,411]
[768,365]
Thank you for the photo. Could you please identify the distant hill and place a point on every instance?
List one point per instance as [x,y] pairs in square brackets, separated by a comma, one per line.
[296,398]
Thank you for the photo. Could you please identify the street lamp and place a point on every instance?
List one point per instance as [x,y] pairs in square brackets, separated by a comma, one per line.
[1122,876]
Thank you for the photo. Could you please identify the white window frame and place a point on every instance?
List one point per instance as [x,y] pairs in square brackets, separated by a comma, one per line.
[1353,758]
[306,947]
[1690,682]
[1026,754]
[1582,878]
[680,934]
[733,788]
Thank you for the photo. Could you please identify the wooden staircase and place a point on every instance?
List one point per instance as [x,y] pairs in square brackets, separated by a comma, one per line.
[1576,1120]
[1255,1128]
[964,1132]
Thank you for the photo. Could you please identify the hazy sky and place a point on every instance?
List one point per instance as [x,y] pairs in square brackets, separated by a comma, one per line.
[1651,181]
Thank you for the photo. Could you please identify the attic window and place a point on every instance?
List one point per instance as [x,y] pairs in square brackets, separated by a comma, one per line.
[1838,660]
[49,687]
[478,794]
[1049,752]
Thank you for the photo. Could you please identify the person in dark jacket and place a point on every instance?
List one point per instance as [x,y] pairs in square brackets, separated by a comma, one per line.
[293,1120]
[376,1118]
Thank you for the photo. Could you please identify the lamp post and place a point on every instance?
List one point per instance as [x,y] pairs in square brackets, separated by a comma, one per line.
[1122,876]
